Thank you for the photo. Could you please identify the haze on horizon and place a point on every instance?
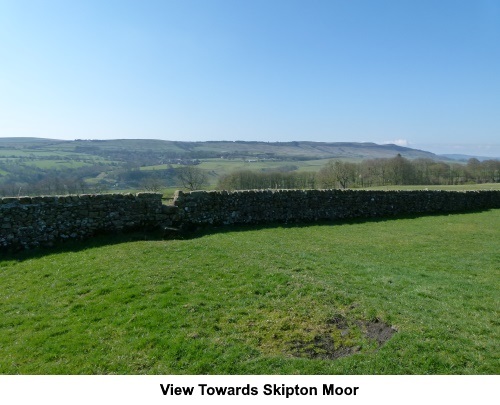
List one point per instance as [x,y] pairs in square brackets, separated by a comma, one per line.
[421,74]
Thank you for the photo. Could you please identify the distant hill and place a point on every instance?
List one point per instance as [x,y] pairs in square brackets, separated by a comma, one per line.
[39,166]
[22,141]
[314,150]
[465,158]
[299,150]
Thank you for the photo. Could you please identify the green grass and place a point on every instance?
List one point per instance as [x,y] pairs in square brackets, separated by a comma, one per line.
[237,301]
[50,158]
[57,164]
[40,154]
[458,187]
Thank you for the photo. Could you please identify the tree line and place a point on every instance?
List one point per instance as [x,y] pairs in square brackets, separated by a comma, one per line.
[28,180]
[25,180]
[368,173]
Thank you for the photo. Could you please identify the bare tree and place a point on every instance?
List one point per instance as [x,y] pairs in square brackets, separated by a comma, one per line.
[326,176]
[191,177]
[152,184]
[337,172]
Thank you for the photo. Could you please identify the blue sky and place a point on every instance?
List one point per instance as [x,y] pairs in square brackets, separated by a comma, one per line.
[421,73]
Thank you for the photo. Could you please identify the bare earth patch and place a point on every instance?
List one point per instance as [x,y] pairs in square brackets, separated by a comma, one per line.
[379,331]
[334,342]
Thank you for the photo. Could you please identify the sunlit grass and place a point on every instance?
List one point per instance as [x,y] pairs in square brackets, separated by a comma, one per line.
[234,302]
[457,187]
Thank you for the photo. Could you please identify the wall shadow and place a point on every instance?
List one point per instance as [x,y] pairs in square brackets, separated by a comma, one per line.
[197,232]
[206,230]
[104,239]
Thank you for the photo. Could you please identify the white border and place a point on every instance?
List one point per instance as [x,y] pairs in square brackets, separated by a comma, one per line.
[124,390]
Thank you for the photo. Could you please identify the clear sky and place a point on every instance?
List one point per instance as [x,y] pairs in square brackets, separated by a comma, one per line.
[420,73]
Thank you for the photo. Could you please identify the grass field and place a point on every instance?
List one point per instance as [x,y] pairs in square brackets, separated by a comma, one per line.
[459,187]
[275,300]
[219,167]
[56,159]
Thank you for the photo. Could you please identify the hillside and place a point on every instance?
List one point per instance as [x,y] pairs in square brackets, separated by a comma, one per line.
[465,158]
[299,150]
[47,166]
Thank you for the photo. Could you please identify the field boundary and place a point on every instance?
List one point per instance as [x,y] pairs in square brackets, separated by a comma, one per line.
[30,222]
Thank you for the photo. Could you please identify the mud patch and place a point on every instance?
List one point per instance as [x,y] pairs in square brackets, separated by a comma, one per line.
[338,339]
[322,347]
[378,330]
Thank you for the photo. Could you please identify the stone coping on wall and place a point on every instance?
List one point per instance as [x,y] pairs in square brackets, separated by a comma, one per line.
[74,198]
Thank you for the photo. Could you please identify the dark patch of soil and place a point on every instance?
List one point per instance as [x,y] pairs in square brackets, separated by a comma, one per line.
[339,321]
[323,346]
[378,330]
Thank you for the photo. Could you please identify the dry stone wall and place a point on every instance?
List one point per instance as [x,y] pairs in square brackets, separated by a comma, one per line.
[257,206]
[29,222]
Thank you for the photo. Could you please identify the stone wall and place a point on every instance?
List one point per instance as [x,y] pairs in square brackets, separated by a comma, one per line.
[264,206]
[29,222]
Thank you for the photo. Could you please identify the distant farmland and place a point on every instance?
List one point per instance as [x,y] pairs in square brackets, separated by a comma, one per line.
[35,166]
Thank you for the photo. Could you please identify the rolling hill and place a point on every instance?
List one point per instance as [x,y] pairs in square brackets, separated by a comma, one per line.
[48,166]
[299,150]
